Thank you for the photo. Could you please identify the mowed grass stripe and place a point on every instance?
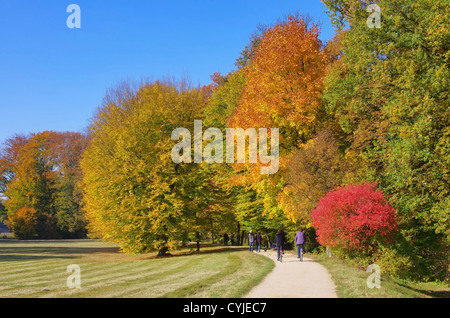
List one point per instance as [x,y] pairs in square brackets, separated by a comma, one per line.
[110,283]
[94,275]
[252,270]
[193,273]
[234,263]
[33,277]
[56,276]
[35,271]
[113,276]
[11,268]
[47,271]
[151,282]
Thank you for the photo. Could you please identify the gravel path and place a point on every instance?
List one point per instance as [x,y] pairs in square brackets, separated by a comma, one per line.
[295,279]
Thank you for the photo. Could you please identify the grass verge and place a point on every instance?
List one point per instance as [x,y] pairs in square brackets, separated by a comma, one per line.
[352,283]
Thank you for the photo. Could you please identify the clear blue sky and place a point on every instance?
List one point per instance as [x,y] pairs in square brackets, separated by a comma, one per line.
[54,78]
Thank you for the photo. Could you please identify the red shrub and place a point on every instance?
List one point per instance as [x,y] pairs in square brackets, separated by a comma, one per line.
[354,217]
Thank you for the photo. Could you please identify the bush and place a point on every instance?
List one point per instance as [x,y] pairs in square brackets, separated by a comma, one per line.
[24,223]
[392,262]
[354,219]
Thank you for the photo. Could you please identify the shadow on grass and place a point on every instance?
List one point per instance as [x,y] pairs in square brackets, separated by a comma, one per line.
[429,293]
[21,250]
[208,249]
[24,257]
[15,250]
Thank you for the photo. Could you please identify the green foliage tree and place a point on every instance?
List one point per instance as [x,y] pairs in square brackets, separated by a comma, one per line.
[3,214]
[390,95]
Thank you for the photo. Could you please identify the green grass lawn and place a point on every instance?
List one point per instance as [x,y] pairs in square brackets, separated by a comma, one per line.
[352,283]
[38,269]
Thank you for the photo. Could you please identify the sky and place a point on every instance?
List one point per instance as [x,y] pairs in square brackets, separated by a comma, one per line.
[53,77]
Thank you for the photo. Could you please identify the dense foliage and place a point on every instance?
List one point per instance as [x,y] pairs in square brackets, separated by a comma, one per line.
[40,175]
[389,93]
[364,147]
[354,218]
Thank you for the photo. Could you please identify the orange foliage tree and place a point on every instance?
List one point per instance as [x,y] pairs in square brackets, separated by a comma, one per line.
[284,81]
[39,174]
[283,90]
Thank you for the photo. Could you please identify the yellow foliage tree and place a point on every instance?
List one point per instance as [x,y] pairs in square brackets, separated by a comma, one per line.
[134,194]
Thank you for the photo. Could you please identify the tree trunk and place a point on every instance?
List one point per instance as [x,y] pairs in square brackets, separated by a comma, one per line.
[328,252]
[238,238]
[269,242]
[162,251]
[198,241]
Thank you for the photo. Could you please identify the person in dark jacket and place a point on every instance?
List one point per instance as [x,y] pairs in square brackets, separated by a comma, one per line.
[279,242]
[225,239]
[258,241]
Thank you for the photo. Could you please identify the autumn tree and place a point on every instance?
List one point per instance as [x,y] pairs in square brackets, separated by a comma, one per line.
[390,95]
[283,86]
[68,149]
[284,69]
[248,52]
[25,223]
[36,170]
[135,194]
[227,91]
[284,81]
[314,169]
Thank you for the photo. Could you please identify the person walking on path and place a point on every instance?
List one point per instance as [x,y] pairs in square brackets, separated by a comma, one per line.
[251,241]
[300,241]
[279,243]
[258,240]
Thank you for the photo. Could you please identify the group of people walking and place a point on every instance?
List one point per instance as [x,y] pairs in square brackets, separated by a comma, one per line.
[279,242]
[255,241]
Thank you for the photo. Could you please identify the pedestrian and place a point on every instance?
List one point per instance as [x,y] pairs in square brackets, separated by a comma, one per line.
[284,240]
[258,240]
[251,241]
[225,239]
[300,241]
[232,239]
[279,243]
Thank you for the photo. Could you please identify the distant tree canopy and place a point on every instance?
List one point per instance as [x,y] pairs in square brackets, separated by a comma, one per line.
[39,174]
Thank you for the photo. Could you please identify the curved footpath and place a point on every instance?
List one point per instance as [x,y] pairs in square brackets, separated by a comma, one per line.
[295,279]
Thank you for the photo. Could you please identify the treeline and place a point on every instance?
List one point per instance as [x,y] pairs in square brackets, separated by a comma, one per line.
[363,155]
[40,178]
